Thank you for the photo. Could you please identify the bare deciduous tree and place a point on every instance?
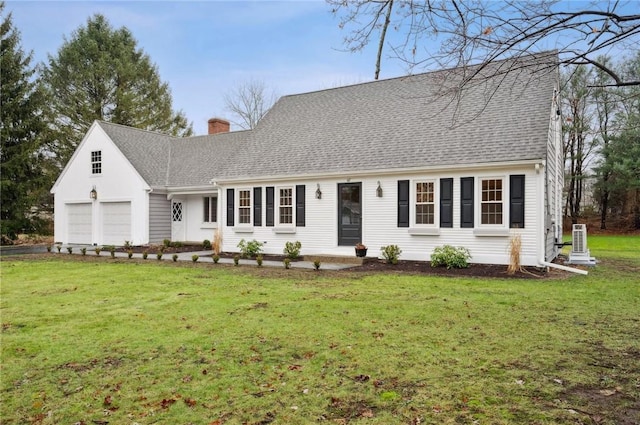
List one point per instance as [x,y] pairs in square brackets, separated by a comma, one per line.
[456,33]
[249,102]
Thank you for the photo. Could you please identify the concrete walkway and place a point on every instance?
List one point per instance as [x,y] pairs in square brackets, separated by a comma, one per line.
[203,257]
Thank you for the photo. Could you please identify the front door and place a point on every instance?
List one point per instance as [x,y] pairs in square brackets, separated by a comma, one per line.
[349,214]
[177,222]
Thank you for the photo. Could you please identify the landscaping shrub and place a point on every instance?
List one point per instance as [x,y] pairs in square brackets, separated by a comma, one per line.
[259,260]
[316,264]
[174,257]
[391,253]
[59,248]
[48,248]
[83,251]
[70,250]
[292,249]
[145,254]
[194,257]
[250,249]
[159,255]
[206,244]
[287,263]
[216,258]
[451,257]
[130,254]
[236,260]
[97,250]
[166,243]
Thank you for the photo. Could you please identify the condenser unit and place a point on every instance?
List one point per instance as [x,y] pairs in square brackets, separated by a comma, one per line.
[579,251]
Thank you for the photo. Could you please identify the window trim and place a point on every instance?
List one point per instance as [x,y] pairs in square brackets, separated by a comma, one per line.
[413,196]
[212,211]
[503,202]
[249,223]
[278,205]
[96,164]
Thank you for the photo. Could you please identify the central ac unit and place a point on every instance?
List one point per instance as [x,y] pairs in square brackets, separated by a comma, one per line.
[579,252]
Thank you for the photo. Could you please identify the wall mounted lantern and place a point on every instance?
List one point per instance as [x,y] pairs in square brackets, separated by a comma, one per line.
[379,190]
[93,194]
[318,192]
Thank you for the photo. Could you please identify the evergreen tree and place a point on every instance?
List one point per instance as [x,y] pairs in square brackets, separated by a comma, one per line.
[101,74]
[22,176]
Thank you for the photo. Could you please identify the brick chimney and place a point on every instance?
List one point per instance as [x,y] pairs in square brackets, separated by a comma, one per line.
[218,125]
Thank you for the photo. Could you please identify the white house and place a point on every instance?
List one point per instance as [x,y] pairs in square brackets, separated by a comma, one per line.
[402,161]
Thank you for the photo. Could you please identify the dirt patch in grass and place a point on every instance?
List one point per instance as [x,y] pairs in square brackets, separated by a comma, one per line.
[614,399]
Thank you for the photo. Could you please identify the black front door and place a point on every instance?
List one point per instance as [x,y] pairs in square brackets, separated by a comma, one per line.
[349,213]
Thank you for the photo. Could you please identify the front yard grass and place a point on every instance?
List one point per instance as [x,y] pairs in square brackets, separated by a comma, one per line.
[111,341]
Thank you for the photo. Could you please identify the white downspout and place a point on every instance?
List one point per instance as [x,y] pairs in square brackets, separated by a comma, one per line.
[561,267]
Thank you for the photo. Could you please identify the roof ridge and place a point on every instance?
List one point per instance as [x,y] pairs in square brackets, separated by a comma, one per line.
[158,133]
[528,56]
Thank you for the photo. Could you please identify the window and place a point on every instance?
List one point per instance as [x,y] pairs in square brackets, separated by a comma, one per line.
[285,212]
[425,203]
[244,206]
[176,211]
[96,162]
[210,209]
[491,203]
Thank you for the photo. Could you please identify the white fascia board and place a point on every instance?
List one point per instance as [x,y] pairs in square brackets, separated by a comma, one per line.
[386,172]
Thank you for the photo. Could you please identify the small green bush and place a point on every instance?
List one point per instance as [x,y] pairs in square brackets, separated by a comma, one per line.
[127,244]
[70,249]
[177,244]
[83,251]
[236,260]
[451,257]
[250,249]
[174,257]
[391,253]
[97,250]
[216,258]
[159,255]
[194,257]
[48,248]
[316,264]
[166,243]
[130,254]
[145,254]
[287,263]
[259,260]
[112,251]
[59,248]
[292,249]
[206,244]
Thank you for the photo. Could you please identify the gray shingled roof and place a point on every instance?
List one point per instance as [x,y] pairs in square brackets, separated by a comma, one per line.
[400,123]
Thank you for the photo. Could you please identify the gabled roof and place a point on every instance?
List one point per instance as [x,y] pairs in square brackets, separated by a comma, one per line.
[410,122]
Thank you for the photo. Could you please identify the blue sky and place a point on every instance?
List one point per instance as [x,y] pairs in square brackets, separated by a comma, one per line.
[203,49]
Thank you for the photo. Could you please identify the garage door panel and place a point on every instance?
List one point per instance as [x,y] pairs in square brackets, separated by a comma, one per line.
[79,223]
[116,222]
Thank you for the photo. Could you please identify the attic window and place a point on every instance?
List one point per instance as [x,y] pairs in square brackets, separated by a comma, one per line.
[96,162]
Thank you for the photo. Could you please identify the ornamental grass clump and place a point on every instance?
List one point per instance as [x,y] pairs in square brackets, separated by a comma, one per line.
[97,250]
[130,254]
[83,251]
[259,260]
[70,250]
[159,255]
[451,257]
[515,248]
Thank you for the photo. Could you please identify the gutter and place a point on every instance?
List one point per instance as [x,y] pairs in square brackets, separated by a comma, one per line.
[561,267]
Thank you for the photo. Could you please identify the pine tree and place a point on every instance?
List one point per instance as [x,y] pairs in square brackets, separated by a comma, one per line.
[22,176]
[101,74]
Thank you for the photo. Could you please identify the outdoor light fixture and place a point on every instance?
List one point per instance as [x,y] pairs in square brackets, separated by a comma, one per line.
[93,194]
[318,192]
[379,190]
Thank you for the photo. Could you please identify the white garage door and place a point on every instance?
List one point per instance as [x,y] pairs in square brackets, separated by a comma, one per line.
[116,223]
[79,223]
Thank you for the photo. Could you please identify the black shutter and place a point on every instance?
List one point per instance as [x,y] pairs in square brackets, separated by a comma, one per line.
[269,207]
[257,206]
[300,204]
[466,202]
[403,203]
[446,202]
[230,207]
[516,201]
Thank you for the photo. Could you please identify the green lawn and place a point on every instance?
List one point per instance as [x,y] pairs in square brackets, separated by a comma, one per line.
[102,340]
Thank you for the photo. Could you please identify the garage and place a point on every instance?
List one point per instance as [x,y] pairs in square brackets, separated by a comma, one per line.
[116,223]
[79,223]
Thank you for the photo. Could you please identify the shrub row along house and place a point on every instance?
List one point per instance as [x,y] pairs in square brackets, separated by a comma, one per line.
[418,161]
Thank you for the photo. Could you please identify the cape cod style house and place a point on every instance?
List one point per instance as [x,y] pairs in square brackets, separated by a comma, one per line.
[414,161]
